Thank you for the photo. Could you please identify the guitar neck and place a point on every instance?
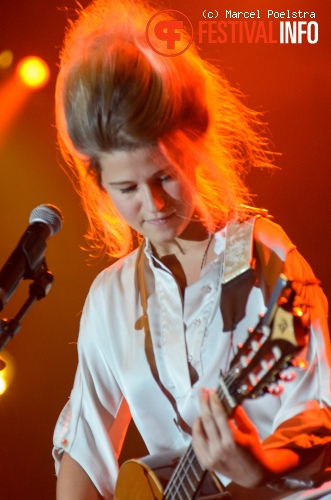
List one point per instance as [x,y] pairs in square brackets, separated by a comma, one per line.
[189,474]
[186,480]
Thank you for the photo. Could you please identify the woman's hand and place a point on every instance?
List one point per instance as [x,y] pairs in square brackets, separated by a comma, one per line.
[232,446]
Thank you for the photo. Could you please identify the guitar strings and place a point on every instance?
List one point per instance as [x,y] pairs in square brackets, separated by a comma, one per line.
[189,462]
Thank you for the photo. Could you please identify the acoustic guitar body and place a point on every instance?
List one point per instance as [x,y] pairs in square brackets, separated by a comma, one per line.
[137,481]
[146,479]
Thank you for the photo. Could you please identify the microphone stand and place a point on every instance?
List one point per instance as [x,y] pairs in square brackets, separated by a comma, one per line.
[39,288]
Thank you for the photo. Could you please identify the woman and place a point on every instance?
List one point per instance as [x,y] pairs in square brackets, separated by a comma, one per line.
[159,146]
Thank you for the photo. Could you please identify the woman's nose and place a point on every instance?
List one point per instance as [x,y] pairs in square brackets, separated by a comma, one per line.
[153,200]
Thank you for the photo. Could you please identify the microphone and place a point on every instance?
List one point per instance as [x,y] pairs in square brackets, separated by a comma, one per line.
[28,257]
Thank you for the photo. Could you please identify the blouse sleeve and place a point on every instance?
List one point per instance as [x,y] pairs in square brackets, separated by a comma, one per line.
[87,429]
[304,419]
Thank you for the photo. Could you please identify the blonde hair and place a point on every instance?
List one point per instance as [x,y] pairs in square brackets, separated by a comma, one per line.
[114,92]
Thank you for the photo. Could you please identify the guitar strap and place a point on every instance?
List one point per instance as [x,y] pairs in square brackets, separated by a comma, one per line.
[149,350]
[238,271]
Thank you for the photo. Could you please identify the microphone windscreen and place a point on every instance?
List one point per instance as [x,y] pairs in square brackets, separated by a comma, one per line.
[47,214]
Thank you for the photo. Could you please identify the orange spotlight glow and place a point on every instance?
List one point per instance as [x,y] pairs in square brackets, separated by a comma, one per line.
[13,95]
[33,71]
[7,374]
[6,59]
[3,385]
[31,74]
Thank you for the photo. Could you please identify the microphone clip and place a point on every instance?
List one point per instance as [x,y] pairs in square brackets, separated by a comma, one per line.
[38,289]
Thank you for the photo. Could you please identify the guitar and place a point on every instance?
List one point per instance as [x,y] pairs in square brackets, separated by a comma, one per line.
[258,363]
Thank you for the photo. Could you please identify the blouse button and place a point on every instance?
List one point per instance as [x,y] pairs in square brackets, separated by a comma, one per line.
[206,289]
[189,358]
[197,322]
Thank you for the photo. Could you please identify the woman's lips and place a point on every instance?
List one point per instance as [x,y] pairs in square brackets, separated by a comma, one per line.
[162,219]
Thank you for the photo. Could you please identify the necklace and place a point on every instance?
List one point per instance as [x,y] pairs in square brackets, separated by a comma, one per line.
[204,258]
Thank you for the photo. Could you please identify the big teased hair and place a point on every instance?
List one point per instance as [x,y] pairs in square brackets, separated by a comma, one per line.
[114,92]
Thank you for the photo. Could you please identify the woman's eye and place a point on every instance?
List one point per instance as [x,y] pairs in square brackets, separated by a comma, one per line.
[128,189]
[165,178]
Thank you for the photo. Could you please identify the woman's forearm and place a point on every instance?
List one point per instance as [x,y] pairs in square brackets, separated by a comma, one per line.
[73,483]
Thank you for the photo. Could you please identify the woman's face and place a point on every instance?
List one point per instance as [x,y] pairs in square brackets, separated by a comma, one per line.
[147,194]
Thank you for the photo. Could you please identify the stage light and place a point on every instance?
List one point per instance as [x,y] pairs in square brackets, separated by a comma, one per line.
[33,71]
[3,385]
[30,74]
[8,372]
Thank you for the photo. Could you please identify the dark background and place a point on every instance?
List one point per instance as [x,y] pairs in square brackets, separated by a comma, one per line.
[290,83]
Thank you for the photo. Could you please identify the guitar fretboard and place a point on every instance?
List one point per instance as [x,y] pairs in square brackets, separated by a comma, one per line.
[189,474]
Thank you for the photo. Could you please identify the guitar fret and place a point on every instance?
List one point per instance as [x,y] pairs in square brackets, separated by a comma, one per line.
[179,495]
[192,484]
[186,491]
[196,467]
[186,478]
[178,492]
[195,472]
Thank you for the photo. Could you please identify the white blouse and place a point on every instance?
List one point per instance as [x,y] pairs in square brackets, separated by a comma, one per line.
[137,351]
